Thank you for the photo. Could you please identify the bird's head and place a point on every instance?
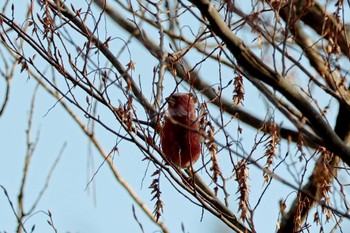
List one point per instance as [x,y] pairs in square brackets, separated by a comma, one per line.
[181,104]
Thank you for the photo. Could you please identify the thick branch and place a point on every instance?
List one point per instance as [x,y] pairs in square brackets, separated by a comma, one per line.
[321,65]
[288,223]
[324,24]
[197,82]
[256,68]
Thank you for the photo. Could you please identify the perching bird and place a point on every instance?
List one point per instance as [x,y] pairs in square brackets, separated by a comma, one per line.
[180,136]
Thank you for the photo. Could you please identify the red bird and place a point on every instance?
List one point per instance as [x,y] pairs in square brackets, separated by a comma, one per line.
[180,137]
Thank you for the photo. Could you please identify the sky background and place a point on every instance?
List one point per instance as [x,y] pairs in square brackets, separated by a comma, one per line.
[103,206]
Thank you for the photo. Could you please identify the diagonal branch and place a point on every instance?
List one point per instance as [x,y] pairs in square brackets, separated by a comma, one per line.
[309,13]
[63,9]
[321,65]
[257,69]
[326,25]
[196,81]
[102,152]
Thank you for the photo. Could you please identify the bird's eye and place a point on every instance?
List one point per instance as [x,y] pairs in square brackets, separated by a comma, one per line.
[171,101]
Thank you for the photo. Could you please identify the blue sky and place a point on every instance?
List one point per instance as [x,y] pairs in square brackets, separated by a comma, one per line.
[72,205]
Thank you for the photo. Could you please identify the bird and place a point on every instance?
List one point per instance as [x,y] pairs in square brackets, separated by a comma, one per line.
[180,138]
